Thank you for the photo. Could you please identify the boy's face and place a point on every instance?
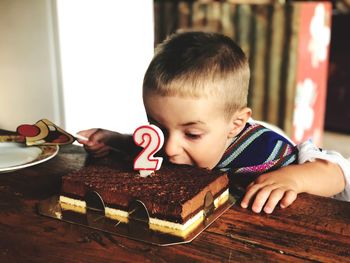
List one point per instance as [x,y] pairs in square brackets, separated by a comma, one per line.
[195,129]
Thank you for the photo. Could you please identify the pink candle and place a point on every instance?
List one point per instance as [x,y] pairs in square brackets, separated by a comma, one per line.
[151,138]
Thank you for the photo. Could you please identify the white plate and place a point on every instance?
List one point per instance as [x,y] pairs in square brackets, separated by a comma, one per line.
[14,156]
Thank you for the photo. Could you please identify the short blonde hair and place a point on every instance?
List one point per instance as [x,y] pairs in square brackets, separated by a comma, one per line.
[200,64]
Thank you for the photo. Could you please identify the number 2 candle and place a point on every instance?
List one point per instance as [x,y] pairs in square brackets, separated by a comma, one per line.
[151,138]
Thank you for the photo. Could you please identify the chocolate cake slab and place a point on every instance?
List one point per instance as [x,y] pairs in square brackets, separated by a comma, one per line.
[173,194]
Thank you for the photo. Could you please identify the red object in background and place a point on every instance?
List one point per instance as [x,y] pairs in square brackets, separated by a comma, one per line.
[312,67]
[28,130]
[44,132]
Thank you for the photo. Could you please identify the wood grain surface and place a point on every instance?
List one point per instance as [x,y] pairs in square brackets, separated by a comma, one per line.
[312,229]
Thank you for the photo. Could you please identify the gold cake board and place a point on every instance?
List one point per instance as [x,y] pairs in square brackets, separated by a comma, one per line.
[135,229]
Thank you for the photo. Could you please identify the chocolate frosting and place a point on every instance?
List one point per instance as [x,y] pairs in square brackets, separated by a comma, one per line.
[172,193]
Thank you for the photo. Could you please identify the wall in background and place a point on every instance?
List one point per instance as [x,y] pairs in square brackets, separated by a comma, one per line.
[287,45]
[29,84]
[105,49]
[78,63]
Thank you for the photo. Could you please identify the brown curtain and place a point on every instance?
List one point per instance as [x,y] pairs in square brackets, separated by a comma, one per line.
[267,32]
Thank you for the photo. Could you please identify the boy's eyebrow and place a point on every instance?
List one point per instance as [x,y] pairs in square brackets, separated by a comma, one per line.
[192,123]
[153,121]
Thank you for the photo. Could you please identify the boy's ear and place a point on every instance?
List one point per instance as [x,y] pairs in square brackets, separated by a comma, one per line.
[239,120]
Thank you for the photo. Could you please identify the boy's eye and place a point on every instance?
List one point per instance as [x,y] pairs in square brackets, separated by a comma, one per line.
[193,136]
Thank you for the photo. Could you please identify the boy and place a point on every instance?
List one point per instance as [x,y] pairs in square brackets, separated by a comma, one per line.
[195,89]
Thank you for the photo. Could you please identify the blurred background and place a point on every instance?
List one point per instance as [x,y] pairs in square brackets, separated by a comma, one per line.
[80,63]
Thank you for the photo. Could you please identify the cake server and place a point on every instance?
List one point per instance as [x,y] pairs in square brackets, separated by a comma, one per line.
[43,132]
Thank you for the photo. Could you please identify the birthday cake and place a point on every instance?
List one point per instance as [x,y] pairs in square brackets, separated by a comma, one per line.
[174,196]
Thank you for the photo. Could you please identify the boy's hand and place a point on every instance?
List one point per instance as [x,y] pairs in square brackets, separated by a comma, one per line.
[96,143]
[270,189]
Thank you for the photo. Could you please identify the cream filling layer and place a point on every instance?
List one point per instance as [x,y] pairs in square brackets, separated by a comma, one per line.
[121,215]
[79,204]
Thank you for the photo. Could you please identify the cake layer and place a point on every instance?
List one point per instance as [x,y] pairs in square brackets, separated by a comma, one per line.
[174,193]
[156,224]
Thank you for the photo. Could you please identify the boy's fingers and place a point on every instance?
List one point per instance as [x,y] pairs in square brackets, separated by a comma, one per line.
[251,191]
[267,197]
[250,186]
[85,134]
[261,198]
[94,146]
[100,136]
[90,135]
[275,196]
[288,199]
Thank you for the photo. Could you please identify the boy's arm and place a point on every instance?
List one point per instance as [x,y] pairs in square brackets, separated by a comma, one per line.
[325,173]
[101,141]
[282,186]
[308,152]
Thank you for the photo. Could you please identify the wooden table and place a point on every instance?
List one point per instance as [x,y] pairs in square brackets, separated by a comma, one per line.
[312,229]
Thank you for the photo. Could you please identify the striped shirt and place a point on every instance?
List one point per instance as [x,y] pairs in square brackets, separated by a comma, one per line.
[257,150]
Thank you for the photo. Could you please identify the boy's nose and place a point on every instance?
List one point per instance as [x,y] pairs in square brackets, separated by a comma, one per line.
[172,146]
